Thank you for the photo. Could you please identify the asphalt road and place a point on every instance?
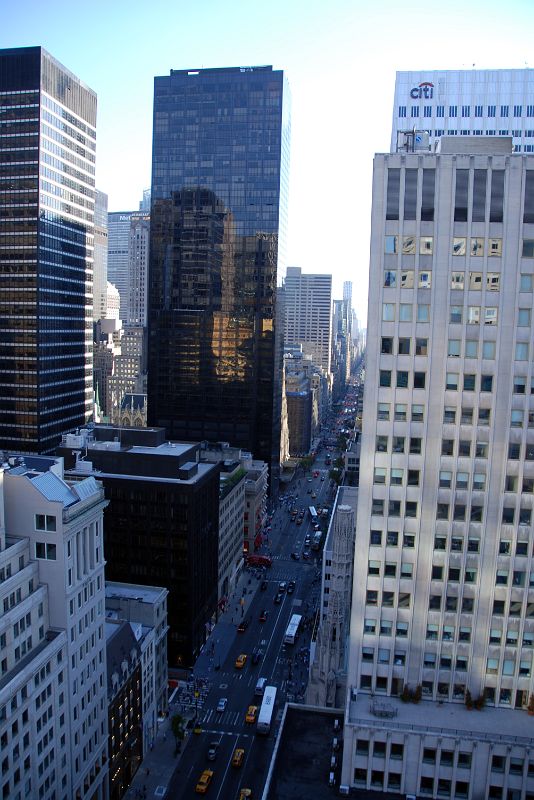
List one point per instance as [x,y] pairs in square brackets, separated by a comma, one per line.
[285,666]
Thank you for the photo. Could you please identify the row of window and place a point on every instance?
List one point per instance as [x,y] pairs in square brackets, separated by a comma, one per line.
[477,246]
[465,111]
[475,315]
[402,380]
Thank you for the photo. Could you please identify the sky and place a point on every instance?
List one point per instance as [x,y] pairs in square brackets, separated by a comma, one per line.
[340,57]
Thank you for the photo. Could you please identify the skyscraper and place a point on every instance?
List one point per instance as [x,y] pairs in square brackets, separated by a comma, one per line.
[442,594]
[308,315]
[218,219]
[48,117]
[100,266]
[474,102]
[118,256]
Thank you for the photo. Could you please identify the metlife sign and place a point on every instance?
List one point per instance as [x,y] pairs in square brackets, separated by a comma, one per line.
[424,90]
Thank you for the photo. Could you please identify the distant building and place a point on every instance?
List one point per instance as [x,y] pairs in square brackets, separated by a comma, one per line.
[308,315]
[299,399]
[161,523]
[138,269]
[232,517]
[218,222]
[465,102]
[118,256]
[46,241]
[100,262]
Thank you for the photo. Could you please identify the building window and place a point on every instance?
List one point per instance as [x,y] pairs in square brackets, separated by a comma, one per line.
[405,312]
[410,191]
[455,314]
[427,111]
[451,380]
[390,244]
[460,203]
[388,312]
[402,111]
[453,348]
[414,111]
[497,195]
[421,347]
[45,522]
[393,194]
[390,279]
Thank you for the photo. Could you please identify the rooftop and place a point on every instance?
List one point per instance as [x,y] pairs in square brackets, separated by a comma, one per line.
[134,591]
[444,719]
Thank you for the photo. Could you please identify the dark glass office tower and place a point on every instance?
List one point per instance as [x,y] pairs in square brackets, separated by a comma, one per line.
[219,205]
[47,163]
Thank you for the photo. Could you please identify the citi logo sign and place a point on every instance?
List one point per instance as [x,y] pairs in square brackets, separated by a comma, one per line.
[424,89]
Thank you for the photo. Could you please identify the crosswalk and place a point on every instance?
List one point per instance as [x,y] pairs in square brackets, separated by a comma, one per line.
[226,719]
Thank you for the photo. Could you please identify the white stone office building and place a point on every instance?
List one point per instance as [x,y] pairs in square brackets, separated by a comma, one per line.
[329,651]
[475,102]
[308,315]
[53,707]
[444,575]
[145,608]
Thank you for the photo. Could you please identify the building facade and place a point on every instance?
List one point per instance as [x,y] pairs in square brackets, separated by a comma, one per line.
[118,256]
[218,221]
[161,522]
[100,264]
[475,102]
[308,315]
[442,591]
[52,645]
[48,117]
[145,608]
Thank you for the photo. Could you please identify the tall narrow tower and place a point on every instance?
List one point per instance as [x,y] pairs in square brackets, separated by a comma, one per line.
[48,117]
[218,219]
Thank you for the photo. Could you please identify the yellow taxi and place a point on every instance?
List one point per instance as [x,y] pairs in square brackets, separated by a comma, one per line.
[204,781]
[250,716]
[238,756]
[240,661]
[244,794]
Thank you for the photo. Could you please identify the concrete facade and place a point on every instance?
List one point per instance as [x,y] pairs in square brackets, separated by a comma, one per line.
[442,589]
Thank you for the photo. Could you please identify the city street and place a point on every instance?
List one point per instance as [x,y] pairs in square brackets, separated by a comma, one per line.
[285,666]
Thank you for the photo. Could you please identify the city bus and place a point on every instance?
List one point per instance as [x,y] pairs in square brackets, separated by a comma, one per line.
[293,629]
[313,513]
[267,709]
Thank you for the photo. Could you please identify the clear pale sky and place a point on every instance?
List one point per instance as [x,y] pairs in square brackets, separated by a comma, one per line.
[340,57]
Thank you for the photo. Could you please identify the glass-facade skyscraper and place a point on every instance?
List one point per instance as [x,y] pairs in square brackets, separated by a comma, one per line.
[218,220]
[47,199]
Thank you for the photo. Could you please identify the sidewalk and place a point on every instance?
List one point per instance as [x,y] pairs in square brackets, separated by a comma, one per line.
[153,777]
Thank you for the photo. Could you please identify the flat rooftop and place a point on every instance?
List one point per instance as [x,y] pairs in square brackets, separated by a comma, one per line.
[300,766]
[134,591]
[444,719]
